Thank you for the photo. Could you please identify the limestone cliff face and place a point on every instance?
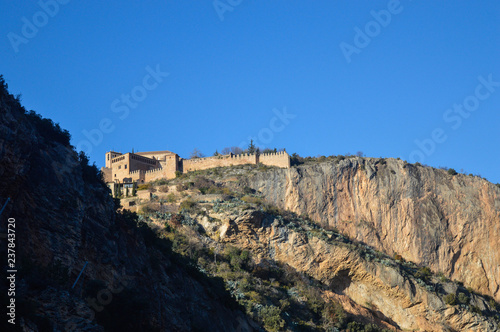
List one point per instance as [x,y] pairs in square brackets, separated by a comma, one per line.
[448,223]
[395,299]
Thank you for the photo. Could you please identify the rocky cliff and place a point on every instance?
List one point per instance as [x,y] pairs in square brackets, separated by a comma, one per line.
[301,270]
[450,223]
[66,218]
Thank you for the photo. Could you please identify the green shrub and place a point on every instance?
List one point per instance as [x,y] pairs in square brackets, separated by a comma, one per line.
[188,205]
[475,309]
[171,198]
[236,257]
[252,200]
[178,174]
[271,317]
[181,187]
[463,299]
[249,191]
[451,171]
[442,277]
[163,189]
[144,186]
[423,273]
[450,299]
[493,304]
[333,316]
[148,209]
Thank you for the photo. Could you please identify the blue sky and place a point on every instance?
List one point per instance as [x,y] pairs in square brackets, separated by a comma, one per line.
[315,77]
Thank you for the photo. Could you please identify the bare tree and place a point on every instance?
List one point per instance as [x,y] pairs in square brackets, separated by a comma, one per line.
[236,150]
[225,151]
[196,154]
[360,154]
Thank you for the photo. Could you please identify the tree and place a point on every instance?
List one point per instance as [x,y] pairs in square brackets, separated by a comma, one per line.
[118,190]
[134,189]
[236,150]
[126,191]
[451,171]
[216,153]
[196,154]
[232,149]
[251,147]
[360,154]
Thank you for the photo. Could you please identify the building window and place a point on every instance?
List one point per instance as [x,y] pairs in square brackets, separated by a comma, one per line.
[119,166]
[108,156]
[115,175]
[125,166]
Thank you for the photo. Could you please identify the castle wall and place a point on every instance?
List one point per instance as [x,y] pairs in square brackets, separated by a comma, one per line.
[136,176]
[279,159]
[189,165]
[157,174]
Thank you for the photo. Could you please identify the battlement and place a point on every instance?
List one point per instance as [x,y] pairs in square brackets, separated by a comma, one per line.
[150,166]
[156,170]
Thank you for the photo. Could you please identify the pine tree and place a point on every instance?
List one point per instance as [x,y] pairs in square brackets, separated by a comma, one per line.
[134,189]
[251,147]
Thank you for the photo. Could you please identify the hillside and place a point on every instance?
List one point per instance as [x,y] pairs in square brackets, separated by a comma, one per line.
[65,217]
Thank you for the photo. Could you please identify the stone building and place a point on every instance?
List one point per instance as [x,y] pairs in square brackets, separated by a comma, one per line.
[143,167]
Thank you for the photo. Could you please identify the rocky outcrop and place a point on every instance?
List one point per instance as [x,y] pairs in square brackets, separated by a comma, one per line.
[393,298]
[448,223]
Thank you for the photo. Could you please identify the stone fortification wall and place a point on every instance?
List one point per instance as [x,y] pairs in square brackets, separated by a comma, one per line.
[137,176]
[217,161]
[157,174]
[279,159]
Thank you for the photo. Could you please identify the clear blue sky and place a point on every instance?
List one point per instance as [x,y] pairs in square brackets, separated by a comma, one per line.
[230,70]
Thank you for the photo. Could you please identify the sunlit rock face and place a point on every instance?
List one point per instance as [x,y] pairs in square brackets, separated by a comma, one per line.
[448,223]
